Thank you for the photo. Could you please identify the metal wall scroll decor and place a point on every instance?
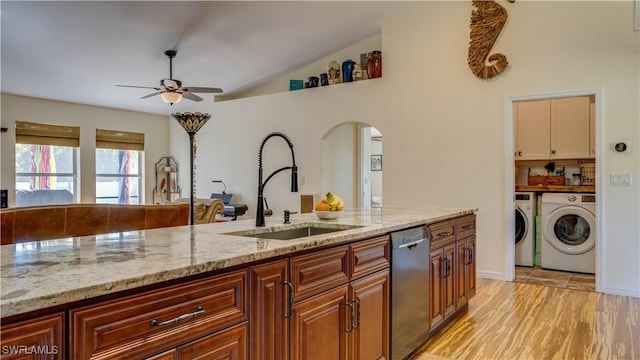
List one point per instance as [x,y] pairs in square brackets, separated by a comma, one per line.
[487,21]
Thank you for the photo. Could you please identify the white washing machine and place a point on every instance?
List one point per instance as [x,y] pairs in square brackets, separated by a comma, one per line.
[525,236]
[568,232]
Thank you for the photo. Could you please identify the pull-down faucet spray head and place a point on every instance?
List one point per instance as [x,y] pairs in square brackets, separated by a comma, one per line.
[261,184]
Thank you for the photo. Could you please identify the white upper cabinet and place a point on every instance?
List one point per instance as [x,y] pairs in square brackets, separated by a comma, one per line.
[533,126]
[553,129]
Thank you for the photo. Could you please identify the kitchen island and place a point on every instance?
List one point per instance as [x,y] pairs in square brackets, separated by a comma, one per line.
[66,277]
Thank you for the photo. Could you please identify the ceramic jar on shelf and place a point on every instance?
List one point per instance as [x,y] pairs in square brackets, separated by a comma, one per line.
[347,70]
[333,73]
[374,64]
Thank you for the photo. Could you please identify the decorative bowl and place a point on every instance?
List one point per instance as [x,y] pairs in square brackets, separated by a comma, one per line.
[327,215]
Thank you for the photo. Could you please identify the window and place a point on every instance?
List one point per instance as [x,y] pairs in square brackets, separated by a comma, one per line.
[46,164]
[118,167]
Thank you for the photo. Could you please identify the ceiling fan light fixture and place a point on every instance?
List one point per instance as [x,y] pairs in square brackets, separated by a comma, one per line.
[171,97]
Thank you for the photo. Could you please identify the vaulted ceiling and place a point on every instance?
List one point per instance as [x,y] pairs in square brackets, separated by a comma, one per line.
[77,51]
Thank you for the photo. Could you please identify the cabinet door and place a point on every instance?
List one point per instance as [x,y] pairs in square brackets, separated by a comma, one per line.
[320,326]
[592,130]
[470,266]
[44,334]
[570,128]
[436,314]
[370,296]
[167,355]
[228,344]
[270,310]
[461,274]
[533,128]
[449,283]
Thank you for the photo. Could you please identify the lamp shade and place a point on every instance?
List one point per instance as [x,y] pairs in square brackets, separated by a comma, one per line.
[192,122]
[171,97]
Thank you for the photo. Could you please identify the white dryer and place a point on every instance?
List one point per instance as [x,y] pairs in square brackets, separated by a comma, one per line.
[568,232]
[525,236]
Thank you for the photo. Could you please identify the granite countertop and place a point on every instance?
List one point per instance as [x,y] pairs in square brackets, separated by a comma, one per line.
[38,275]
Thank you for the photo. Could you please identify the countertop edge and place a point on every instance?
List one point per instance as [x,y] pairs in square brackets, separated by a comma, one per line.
[10,307]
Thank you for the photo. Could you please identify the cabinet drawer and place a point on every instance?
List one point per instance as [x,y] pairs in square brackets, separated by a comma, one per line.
[45,333]
[466,226]
[143,324]
[369,256]
[320,271]
[442,233]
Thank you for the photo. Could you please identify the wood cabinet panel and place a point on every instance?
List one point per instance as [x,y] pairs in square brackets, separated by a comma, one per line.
[370,338]
[167,355]
[442,233]
[369,256]
[466,226]
[269,324]
[40,338]
[570,128]
[319,271]
[449,282]
[436,300]
[532,126]
[319,326]
[142,324]
[461,274]
[228,344]
[470,266]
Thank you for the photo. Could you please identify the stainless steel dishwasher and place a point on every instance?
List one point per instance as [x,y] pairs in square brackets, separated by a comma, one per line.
[409,290]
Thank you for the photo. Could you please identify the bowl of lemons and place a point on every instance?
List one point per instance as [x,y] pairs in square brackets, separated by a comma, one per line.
[330,207]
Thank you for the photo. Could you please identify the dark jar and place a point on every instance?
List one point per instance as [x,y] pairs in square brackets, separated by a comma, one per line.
[374,64]
[347,70]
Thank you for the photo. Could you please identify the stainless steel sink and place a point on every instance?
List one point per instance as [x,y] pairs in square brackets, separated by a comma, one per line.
[294,232]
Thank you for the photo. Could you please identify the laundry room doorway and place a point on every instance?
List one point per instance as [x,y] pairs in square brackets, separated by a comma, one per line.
[553,146]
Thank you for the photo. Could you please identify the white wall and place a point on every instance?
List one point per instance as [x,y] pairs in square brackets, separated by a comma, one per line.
[446,142]
[339,163]
[88,118]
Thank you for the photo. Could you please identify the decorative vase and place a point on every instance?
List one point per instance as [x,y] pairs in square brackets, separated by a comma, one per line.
[347,70]
[333,71]
[324,79]
[374,64]
[357,72]
[313,81]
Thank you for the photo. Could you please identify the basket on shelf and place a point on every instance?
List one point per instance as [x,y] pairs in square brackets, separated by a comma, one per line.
[588,174]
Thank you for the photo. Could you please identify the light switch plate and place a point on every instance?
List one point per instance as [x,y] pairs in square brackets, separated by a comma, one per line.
[620,179]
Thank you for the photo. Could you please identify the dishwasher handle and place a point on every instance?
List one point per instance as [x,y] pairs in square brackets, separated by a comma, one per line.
[411,245]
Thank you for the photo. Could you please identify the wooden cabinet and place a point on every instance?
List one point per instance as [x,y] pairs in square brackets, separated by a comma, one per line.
[39,338]
[570,128]
[228,344]
[370,335]
[141,325]
[533,129]
[320,324]
[552,129]
[442,300]
[452,275]
[328,304]
[270,310]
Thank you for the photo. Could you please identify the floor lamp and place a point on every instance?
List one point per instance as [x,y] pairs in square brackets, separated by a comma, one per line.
[192,123]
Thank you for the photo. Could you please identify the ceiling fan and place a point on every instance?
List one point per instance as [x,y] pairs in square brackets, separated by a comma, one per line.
[171,90]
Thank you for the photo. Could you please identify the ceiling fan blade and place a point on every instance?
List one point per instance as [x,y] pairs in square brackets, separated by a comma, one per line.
[190,96]
[152,94]
[139,87]
[203,90]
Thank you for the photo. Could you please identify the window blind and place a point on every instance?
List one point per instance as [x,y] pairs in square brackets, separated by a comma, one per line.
[46,134]
[122,140]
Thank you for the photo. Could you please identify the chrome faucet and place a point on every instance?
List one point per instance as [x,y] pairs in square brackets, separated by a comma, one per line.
[294,176]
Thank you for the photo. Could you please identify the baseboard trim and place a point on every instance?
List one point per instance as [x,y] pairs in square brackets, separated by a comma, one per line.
[622,292]
[492,275]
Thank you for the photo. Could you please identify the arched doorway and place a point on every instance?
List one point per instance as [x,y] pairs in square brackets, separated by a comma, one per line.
[352,164]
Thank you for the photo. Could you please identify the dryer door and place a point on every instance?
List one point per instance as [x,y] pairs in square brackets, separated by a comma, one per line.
[570,229]
[521,225]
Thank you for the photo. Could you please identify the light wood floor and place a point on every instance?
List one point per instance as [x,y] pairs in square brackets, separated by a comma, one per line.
[514,320]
